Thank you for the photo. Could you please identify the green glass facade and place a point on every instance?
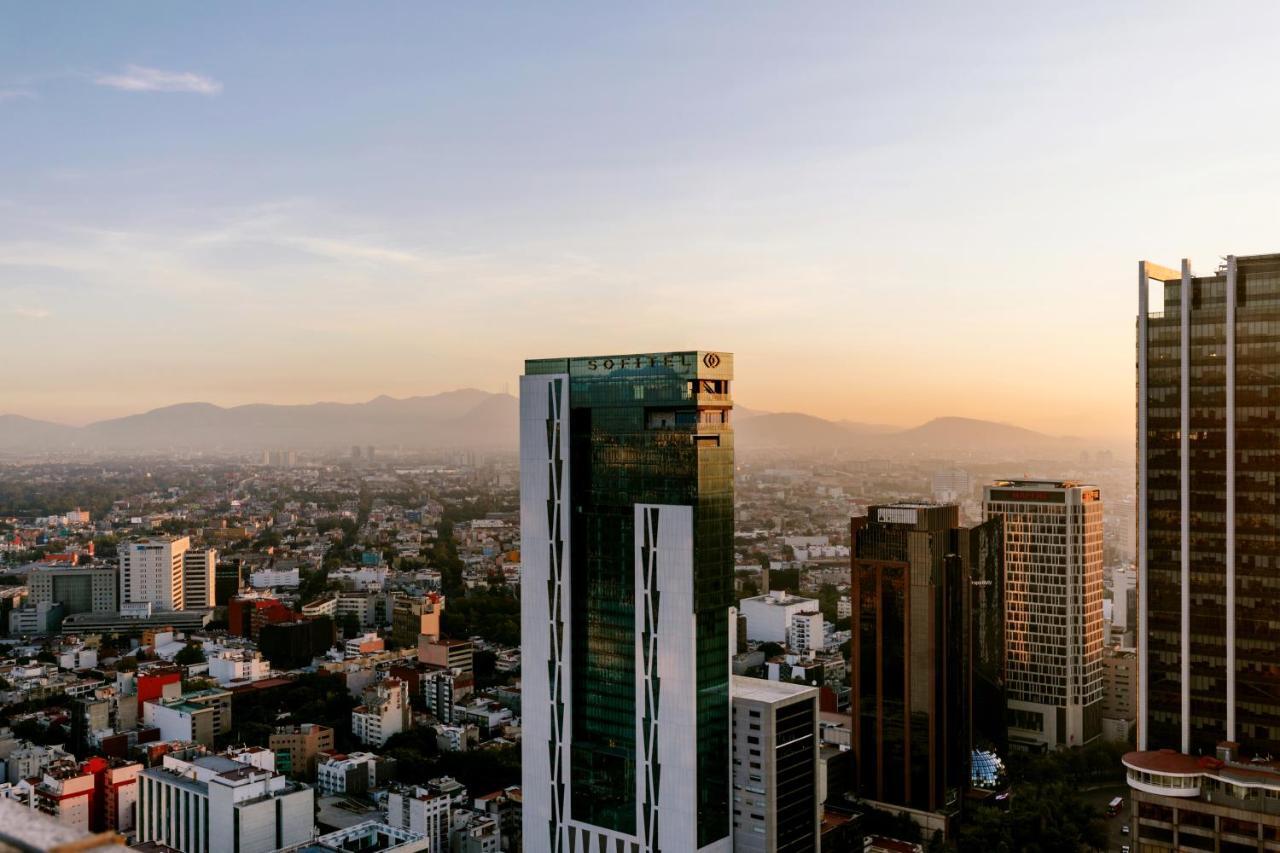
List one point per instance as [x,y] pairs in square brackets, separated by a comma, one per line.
[644,429]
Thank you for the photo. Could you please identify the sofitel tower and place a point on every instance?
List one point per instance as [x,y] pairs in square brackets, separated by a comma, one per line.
[626,506]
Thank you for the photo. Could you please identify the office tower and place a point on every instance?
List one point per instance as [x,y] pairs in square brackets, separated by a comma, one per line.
[199,568]
[227,581]
[1053,609]
[80,589]
[1119,693]
[151,570]
[775,767]
[1208,529]
[927,680]
[626,504]
[214,803]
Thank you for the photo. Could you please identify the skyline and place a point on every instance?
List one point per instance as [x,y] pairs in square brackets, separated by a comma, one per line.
[887,217]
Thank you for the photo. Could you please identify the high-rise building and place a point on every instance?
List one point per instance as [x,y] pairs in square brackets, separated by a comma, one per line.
[927,655]
[1053,609]
[1208,529]
[626,498]
[151,571]
[80,589]
[775,767]
[199,569]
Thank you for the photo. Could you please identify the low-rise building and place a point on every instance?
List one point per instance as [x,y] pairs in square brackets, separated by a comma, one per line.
[422,810]
[769,616]
[349,773]
[297,749]
[213,803]
[385,712]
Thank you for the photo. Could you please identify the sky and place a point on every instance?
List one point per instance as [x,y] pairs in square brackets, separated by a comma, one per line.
[888,212]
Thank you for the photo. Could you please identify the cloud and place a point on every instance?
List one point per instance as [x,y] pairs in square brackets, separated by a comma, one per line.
[31,313]
[16,95]
[138,78]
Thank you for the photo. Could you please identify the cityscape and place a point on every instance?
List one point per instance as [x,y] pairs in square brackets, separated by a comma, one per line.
[317,536]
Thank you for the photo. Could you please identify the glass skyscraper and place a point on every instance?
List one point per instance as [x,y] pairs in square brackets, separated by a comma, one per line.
[626,582]
[1208,506]
[928,652]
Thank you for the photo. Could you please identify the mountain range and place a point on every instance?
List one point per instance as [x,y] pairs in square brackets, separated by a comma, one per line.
[470,418]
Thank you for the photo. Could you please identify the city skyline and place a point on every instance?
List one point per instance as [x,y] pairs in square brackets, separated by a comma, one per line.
[267,205]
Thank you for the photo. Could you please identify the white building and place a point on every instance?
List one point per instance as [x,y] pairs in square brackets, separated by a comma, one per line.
[212,804]
[951,486]
[769,616]
[151,571]
[275,579]
[198,570]
[423,811]
[385,712]
[1053,608]
[775,766]
[805,633]
[346,773]
[370,835]
[362,578]
[228,665]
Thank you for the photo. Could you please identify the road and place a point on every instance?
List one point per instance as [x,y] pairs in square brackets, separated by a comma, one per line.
[1099,798]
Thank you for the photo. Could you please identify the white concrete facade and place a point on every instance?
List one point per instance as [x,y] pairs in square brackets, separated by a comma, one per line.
[152,571]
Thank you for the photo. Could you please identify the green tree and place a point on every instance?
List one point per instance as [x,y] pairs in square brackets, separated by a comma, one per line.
[189,655]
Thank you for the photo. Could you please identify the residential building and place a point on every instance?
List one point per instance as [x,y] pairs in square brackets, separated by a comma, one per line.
[424,811]
[442,689]
[364,644]
[66,793]
[298,748]
[229,665]
[115,793]
[199,581]
[79,589]
[805,633]
[452,654]
[1119,693]
[627,579]
[213,803]
[775,767]
[1208,531]
[354,773]
[151,571]
[198,716]
[272,578]
[769,616]
[415,617]
[925,654]
[385,712]
[474,832]
[1053,617]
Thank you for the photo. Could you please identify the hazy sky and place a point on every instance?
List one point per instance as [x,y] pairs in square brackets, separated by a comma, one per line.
[887,214]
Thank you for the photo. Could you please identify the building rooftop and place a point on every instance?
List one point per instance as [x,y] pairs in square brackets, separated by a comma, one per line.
[763,690]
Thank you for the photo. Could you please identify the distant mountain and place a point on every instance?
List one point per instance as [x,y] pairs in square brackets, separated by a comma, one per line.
[465,418]
[790,431]
[975,436]
[470,418]
[18,431]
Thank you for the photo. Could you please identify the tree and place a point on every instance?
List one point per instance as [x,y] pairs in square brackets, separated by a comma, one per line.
[190,654]
[771,650]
